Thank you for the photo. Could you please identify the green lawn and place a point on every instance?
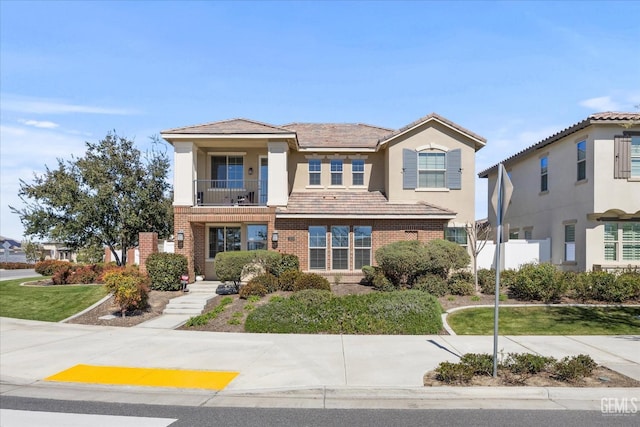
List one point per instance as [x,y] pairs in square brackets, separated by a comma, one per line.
[47,303]
[548,321]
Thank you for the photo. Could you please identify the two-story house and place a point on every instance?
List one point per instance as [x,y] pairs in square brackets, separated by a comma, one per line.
[581,188]
[329,193]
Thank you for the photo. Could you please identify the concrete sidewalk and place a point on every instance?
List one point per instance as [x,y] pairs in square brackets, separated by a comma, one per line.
[338,371]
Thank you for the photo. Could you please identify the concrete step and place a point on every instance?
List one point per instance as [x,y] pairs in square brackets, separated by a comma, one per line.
[186,304]
[180,310]
[202,288]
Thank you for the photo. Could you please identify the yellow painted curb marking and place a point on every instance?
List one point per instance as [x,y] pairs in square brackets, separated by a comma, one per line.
[118,375]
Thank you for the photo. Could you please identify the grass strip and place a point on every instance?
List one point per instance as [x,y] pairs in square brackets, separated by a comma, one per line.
[203,319]
[556,320]
[46,303]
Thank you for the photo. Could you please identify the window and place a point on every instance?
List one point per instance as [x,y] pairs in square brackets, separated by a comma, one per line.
[357,171]
[362,246]
[315,171]
[528,234]
[635,156]
[582,160]
[224,239]
[336,172]
[227,172]
[456,235]
[317,247]
[611,241]
[570,242]
[630,241]
[513,235]
[543,174]
[431,170]
[340,247]
[256,237]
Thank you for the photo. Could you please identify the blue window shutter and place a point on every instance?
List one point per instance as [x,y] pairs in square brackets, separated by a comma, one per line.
[409,169]
[454,169]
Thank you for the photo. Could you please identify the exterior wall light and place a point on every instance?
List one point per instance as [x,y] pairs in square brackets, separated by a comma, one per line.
[250,171]
[180,237]
[274,236]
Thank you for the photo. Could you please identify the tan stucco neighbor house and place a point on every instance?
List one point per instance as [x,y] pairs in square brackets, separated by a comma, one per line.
[581,188]
[329,193]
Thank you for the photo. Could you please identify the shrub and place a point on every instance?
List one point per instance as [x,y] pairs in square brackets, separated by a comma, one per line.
[461,283]
[573,368]
[15,265]
[268,280]
[454,373]
[538,282]
[311,281]
[268,261]
[287,279]
[165,270]
[444,256]
[433,284]
[288,262]
[526,363]
[84,274]
[402,262]
[204,318]
[229,265]
[312,297]
[61,274]
[481,364]
[252,288]
[628,286]
[129,287]
[48,267]
[369,274]
[381,283]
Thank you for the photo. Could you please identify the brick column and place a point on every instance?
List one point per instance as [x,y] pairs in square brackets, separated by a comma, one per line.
[147,245]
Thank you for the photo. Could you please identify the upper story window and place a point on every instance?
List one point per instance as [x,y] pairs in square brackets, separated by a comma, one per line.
[544,176]
[357,172]
[227,172]
[431,169]
[336,172]
[315,171]
[635,156]
[582,160]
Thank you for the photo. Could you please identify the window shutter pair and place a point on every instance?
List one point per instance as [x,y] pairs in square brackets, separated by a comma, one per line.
[410,169]
[622,157]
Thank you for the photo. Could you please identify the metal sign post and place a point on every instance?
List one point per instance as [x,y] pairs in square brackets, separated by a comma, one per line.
[500,202]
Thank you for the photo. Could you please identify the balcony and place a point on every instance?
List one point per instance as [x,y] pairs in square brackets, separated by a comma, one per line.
[241,192]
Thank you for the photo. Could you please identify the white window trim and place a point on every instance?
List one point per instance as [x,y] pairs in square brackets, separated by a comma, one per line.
[341,248]
[418,170]
[309,247]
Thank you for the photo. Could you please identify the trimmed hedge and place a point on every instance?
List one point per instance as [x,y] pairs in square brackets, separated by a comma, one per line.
[48,267]
[311,281]
[165,270]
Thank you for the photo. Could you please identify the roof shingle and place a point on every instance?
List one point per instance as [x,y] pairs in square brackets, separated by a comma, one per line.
[227,127]
[337,135]
[362,203]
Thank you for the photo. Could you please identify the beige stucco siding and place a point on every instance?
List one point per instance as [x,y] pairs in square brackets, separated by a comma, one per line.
[299,171]
[435,136]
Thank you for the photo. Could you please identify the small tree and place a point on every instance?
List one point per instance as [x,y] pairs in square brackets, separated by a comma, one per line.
[478,234]
[33,251]
[92,254]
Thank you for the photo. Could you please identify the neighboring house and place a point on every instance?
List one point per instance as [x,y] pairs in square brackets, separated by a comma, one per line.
[581,188]
[329,193]
[58,251]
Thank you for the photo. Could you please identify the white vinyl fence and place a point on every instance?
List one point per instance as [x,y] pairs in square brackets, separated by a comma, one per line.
[515,253]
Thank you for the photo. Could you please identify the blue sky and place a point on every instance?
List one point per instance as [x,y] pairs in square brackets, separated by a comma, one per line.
[513,72]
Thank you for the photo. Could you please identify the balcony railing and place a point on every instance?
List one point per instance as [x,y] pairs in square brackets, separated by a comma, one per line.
[240,192]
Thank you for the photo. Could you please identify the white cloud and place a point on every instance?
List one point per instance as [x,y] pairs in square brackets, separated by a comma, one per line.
[39,124]
[30,105]
[601,103]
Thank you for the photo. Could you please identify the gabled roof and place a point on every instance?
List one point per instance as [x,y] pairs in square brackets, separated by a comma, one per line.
[227,127]
[337,135]
[363,204]
[609,117]
[478,140]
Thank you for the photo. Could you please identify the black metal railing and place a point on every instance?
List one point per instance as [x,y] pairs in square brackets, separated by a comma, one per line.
[230,192]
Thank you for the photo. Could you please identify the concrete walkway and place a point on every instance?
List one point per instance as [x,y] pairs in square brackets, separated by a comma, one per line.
[277,370]
[182,308]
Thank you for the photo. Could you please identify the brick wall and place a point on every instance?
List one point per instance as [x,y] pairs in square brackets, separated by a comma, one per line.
[147,245]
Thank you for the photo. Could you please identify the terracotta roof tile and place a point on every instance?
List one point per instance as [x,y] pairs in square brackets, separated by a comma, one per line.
[605,117]
[232,126]
[337,135]
[362,203]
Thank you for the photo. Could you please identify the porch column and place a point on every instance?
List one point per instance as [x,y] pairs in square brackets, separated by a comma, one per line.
[184,172]
[278,187]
